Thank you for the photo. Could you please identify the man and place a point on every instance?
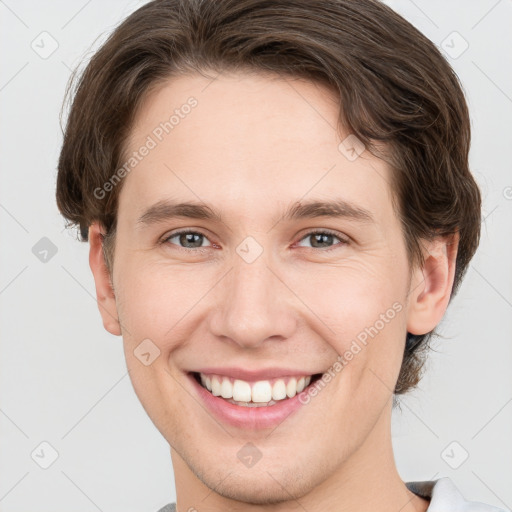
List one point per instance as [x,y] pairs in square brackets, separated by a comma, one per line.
[279,208]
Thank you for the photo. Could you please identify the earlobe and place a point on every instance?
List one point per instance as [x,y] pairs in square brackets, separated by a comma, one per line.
[105,296]
[432,284]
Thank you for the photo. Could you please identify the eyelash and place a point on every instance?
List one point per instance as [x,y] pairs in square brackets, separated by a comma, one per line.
[343,241]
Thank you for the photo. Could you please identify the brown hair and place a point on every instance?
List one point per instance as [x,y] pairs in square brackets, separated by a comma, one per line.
[396,92]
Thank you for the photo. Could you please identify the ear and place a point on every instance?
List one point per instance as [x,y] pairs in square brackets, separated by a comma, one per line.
[431,285]
[104,291]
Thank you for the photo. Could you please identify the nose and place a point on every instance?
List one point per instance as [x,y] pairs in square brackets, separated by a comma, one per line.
[254,304]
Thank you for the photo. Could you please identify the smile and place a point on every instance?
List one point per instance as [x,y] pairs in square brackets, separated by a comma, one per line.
[261,393]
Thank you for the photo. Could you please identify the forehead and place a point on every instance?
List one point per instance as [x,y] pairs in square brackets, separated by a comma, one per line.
[238,112]
[245,141]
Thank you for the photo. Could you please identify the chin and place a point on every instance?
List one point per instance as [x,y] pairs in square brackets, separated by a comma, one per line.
[266,483]
[260,488]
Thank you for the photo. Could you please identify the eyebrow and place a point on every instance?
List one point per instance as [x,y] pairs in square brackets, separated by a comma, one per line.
[166,209]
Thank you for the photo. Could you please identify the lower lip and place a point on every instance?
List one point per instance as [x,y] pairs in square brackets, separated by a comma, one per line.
[253,418]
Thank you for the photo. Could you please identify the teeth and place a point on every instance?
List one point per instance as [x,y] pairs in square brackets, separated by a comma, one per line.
[226,389]
[215,386]
[291,387]
[279,390]
[241,391]
[260,392]
[252,404]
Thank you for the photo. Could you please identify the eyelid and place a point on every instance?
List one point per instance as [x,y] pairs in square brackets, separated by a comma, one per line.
[344,240]
[195,231]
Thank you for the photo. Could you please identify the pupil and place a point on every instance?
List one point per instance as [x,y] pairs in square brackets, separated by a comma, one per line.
[320,236]
[189,238]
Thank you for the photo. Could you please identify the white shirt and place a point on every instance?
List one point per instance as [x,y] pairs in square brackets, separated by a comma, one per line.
[442,493]
[445,497]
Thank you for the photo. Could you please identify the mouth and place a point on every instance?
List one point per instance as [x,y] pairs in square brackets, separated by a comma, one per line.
[261,393]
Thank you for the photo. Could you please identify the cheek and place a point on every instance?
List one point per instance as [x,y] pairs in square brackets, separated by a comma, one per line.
[351,295]
[362,312]
[156,300]
[343,301]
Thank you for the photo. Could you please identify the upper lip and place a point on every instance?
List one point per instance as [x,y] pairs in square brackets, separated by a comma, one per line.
[255,375]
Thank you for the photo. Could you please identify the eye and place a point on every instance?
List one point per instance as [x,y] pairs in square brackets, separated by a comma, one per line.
[325,237]
[190,239]
[193,240]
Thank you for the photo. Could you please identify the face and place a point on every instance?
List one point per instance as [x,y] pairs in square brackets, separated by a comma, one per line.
[260,281]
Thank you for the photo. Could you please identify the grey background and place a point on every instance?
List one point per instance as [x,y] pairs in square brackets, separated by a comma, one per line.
[63,378]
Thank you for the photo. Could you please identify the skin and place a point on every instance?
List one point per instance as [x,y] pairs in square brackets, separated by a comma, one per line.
[252,146]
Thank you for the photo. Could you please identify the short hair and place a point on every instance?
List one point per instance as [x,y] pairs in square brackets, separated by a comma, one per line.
[397,94]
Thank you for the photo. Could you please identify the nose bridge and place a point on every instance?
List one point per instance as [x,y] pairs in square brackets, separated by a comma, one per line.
[254,303]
